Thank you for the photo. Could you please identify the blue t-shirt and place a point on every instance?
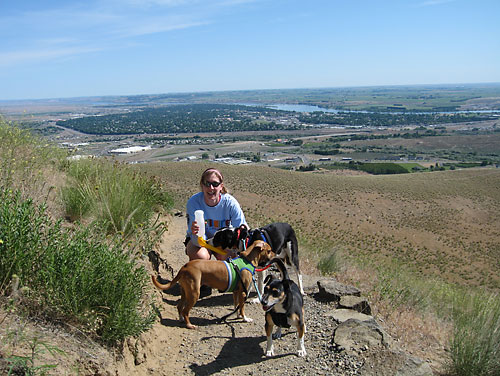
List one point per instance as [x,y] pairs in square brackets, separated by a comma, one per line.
[227,213]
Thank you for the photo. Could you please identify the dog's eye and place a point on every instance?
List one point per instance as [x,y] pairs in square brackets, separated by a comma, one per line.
[276,292]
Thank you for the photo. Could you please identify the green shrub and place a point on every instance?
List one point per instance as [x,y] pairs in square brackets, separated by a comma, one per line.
[77,276]
[329,264]
[475,315]
[475,345]
[113,195]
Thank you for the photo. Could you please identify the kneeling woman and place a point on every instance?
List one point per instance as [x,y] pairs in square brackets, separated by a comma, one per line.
[220,210]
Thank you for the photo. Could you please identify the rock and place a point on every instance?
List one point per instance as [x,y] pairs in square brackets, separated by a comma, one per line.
[331,290]
[355,303]
[309,283]
[353,335]
[415,367]
[342,315]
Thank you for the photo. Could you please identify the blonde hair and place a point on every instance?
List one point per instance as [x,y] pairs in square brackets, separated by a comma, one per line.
[212,171]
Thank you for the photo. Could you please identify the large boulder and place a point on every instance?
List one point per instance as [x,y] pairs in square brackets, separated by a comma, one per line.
[356,335]
[330,290]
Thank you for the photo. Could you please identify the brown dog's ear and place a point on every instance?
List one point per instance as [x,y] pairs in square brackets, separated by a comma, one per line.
[247,251]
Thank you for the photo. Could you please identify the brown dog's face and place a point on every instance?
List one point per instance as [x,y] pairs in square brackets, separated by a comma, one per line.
[266,254]
[259,253]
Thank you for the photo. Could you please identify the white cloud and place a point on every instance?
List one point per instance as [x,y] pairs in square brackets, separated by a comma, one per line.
[60,32]
[37,55]
[153,27]
[434,2]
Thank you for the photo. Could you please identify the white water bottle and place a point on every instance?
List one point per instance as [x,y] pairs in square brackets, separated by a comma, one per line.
[200,221]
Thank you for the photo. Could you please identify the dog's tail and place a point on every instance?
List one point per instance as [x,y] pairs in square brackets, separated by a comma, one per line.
[281,266]
[165,286]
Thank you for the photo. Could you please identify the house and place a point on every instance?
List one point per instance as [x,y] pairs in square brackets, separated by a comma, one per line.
[130,150]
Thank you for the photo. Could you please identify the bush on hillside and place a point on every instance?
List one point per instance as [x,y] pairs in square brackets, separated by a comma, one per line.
[73,275]
[113,195]
[475,316]
[475,345]
[24,158]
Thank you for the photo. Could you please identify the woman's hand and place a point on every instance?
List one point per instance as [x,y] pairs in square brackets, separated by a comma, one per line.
[194,228]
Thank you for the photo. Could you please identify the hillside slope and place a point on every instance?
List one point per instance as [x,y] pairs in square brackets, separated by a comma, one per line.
[440,225]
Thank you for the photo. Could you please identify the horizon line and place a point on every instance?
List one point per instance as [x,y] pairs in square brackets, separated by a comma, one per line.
[245,90]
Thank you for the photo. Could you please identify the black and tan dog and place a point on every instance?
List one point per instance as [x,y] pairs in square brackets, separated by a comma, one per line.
[216,274]
[280,236]
[284,307]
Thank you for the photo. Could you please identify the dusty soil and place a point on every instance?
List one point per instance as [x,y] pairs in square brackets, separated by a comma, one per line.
[236,347]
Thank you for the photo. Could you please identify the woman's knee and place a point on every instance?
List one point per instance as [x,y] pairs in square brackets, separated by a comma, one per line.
[196,253]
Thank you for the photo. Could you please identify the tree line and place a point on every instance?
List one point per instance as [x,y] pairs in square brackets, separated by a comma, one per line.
[190,118]
[383,119]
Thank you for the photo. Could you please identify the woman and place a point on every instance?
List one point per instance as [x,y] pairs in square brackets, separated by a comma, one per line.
[220,210]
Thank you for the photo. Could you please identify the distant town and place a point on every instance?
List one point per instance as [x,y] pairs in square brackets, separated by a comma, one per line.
[295,129]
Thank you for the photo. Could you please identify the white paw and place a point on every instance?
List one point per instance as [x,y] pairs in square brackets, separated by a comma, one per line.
[302,352]
[269,353]
[247,319]
[254,301]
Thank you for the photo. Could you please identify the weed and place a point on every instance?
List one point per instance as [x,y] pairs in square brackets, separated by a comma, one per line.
[113,195]
[329,264]
[29,364]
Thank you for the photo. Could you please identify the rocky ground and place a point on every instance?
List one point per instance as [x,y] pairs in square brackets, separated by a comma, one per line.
[336,343]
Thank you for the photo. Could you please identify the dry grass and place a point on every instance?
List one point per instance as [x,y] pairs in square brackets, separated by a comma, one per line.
[441,224]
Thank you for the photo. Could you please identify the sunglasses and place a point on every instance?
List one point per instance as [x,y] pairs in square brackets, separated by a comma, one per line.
[213,184]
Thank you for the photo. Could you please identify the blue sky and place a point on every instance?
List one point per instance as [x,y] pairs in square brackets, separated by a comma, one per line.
[65,48]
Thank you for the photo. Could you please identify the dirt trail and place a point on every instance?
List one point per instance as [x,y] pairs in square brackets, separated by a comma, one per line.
[234,347]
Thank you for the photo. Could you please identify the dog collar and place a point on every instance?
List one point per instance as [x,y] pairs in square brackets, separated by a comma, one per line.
[262,234]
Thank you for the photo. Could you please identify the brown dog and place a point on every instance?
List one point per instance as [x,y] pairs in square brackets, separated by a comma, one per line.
[215,274]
